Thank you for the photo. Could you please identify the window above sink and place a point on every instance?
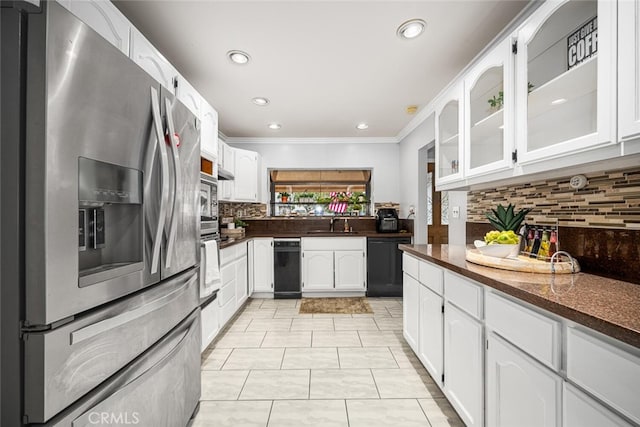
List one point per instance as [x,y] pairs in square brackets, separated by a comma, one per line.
[316,192]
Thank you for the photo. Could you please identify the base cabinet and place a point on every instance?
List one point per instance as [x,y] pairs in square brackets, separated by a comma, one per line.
[333,264]
[317,270]
[431,340]
[579,410]
[520,391]
[410,310]
[261,264]
[463,362]
[349,270]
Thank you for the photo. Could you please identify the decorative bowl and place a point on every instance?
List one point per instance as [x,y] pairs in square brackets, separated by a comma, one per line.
[497,250]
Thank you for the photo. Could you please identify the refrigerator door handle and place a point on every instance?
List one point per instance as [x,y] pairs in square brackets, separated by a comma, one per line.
[173,137]
[164,167]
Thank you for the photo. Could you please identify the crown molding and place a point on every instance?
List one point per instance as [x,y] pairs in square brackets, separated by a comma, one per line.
[336,140]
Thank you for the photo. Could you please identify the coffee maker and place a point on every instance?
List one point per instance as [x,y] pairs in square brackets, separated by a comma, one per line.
[387,220]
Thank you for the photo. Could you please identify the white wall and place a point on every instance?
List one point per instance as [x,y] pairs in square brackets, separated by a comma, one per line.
[383,159]
[410,166]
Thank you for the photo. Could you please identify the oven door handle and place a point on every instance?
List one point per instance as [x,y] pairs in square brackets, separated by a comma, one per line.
[177,175]
[164,169]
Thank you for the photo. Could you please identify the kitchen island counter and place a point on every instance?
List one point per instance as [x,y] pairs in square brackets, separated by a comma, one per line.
[609,306]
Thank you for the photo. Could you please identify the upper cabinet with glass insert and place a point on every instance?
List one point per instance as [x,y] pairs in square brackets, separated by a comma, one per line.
[488,112]
[449,119]
[629,69]
[565,79]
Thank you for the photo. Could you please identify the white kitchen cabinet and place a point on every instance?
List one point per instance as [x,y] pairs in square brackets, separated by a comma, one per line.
[246,176]
[509,318]
[233,274]
[431,337]
[261,262]
[189,96]
[410,310]
[210,324]
[606,369]
[226,157]
[349,270]
[242,288]
[579,410]
[488,130]
[209,135]
[449,141]
[105,19]
[520,391]
[463,364]
[565,79]
[317,270]
[628,69]
[333,263]
[151,60]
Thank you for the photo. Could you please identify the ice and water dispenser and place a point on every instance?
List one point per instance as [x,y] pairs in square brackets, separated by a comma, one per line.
[110,221]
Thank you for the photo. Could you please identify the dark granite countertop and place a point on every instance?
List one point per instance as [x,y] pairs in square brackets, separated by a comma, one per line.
[605,305]
[232,242]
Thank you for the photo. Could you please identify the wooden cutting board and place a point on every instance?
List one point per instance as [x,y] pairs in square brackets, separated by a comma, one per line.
[522,263]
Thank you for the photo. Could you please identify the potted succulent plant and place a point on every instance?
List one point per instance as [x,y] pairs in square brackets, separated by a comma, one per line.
[284,197]
[504,240]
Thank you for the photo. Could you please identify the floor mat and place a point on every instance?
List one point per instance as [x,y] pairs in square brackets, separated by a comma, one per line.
[355,305]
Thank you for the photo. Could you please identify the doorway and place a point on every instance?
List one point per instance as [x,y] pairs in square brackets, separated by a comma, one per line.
[437,210]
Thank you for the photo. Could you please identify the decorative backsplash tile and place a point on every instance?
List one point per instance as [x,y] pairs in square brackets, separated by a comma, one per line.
[611,199]
[242,210]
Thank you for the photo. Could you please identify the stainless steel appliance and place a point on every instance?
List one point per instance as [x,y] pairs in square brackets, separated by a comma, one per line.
[106,165]
[209,223]
[286,272]
[387,220]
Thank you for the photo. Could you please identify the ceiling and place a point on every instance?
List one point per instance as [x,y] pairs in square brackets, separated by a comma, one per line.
[325,65]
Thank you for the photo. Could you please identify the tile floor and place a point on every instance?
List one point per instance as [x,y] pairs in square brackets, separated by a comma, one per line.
[274,367]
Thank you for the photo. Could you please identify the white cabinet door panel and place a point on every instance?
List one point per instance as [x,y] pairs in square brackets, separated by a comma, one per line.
[349,270]
[146,56]
[431,339]
[189,96]
[607,372]
[209,134]
[103,17]
[463,364]
[410,310]
[242,291]
[246,176]
[262,259]
[317,270]
[579,410]
[629,68]
[520,391]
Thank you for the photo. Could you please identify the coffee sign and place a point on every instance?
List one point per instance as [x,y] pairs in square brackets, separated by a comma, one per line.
[582,44]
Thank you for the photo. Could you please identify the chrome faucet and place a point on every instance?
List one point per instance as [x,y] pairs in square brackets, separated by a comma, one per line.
[331,221]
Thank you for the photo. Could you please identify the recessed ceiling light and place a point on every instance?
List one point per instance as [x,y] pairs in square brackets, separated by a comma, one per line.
[238,57]
[260,101]
[558,101]
[362,126]
[411,109]
[275,126]
[411,29]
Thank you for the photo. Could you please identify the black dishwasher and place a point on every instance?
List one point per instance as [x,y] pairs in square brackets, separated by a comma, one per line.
[286,271]
[384,266]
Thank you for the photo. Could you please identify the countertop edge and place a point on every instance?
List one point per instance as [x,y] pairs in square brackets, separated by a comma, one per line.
[626,335]
[246,238]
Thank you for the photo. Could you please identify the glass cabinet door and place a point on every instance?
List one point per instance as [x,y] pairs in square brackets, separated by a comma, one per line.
[448,139]
[489,112]
[565,79]
[629,71]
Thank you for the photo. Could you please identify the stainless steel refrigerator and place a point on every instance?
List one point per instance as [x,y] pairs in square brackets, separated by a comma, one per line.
[100,240]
